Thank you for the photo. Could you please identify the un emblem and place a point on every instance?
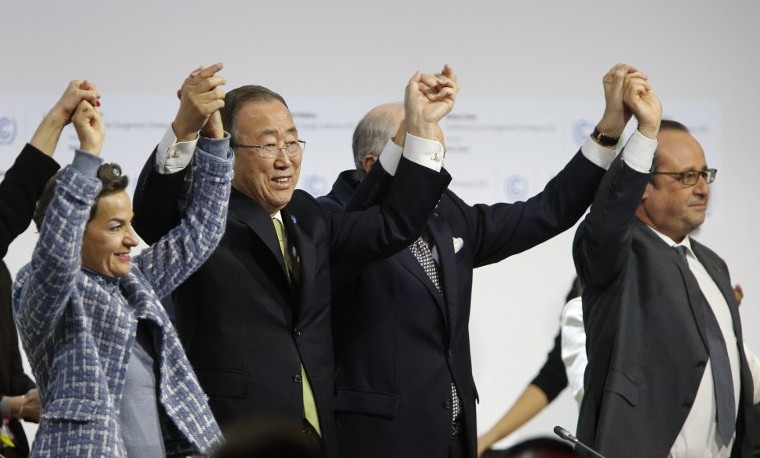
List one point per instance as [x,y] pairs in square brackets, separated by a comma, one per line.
[582,130]
[316,185]
[7,130]
[516,188]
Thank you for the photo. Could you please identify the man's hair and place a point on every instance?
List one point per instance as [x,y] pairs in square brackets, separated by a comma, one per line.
[109,175]
[371,135]
[667,124]
[236,98]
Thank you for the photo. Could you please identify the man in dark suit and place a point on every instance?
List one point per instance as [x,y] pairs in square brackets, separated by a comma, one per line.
[21,187]
[255,319]
[659,310]
[404,373]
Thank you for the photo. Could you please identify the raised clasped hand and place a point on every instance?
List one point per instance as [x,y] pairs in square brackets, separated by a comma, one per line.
[639,97]
[428,98]
[200,98]
[89,127]
[616,114]
[75,92]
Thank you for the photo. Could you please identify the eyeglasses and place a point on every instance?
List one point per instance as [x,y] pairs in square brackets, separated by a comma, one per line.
[292,149]
[691,177]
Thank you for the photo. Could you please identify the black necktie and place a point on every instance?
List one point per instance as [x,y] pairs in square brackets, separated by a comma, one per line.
[721,368]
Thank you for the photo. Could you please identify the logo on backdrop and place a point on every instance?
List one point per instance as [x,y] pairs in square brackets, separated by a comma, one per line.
[316,185]
[516,188]
[582,130]
[7,130]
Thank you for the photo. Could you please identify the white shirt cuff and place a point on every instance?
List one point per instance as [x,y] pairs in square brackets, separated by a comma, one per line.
[390,156]
[428,153]
[598,154]
[173,156]
[639,152]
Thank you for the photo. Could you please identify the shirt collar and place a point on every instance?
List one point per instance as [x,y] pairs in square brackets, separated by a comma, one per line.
[686,242]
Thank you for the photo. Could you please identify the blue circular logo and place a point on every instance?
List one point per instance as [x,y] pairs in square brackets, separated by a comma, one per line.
[516,188]
[582,130]
[7,130]
[316,185]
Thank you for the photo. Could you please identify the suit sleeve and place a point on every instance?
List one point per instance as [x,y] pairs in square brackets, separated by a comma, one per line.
[159,200]
[551,379]
[202,225]
[358,238]
[603,241]
[504,229]
[372,189]
[19,191]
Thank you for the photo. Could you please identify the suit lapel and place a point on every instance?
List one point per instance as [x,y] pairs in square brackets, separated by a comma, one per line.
[692,292]
[721,280]
[262,233]
[406,258]
[303,254]
[443,239]
[666,252]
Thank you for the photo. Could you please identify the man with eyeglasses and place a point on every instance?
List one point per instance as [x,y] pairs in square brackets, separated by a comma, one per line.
[255,319]
[667,372]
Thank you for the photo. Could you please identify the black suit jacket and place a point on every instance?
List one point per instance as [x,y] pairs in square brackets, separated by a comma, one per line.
[21,187]
[245,330]
[13,380]
[644,340]
[400,343]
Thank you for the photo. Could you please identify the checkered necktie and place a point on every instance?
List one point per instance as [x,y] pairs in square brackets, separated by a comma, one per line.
[421,251]
[424,256]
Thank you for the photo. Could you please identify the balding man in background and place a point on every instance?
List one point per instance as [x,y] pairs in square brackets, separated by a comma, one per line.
[404,373]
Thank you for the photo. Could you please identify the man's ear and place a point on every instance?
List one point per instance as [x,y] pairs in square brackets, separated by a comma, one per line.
[368,161]
[647,190]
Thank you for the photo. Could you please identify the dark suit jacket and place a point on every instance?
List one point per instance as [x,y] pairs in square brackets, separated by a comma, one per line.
[21,187]
[400,343]
[245,330]
[644,340]
[13,380]
[19,191]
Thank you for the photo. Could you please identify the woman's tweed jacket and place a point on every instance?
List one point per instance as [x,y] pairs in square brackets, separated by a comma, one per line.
[78,327]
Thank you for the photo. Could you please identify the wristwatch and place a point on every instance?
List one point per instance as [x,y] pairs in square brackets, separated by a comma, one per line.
[604,140]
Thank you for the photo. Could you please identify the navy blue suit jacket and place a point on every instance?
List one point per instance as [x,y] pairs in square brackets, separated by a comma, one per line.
[400,343]
[245,330]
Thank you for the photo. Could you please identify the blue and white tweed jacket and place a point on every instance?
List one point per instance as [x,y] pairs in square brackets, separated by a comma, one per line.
[78,328]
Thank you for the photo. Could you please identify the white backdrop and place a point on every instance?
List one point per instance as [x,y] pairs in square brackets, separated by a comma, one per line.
[531,82]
